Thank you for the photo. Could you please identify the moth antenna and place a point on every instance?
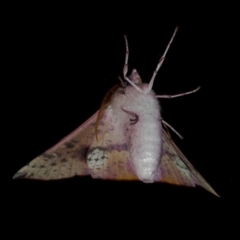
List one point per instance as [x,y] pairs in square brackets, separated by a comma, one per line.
[125,67]
[161,61]
[178,95]
[174,130]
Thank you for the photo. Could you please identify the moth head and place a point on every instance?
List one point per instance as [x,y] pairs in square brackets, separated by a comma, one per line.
[137,83]
[135,77]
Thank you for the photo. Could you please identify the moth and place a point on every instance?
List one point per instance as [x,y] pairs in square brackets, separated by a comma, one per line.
[124,140]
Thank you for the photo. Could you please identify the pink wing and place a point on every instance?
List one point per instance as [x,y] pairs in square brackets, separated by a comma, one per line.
[80,154]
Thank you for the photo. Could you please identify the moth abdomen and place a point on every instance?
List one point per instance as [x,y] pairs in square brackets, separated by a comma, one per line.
[145,139]
[145,150]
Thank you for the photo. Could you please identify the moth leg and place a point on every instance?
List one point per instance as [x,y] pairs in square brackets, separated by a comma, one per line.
[136,117]
[161,61]
[174,130]
[125,67]
[178,95]
[123,85]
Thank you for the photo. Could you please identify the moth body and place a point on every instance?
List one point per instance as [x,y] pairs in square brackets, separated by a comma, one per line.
[140,113]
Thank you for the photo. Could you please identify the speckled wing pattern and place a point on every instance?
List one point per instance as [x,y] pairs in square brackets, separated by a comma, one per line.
[81,154]
[176,169]
[65,159]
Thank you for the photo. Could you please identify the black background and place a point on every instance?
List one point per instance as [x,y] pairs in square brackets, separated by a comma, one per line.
[64,59]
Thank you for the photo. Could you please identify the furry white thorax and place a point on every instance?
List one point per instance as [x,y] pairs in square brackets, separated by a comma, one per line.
[145,136]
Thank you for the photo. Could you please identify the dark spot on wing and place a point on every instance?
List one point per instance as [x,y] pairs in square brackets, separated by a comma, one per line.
[170,154]
[53,164]
[99,131]
[63,160]
[163,151]
[101,123]
[42,166]
[80,153]
[47,155]
[69,145]
[117,147]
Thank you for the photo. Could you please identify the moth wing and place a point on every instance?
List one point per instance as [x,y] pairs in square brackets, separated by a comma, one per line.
[65,159]
[81,153]
[108,156]
[176,169]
